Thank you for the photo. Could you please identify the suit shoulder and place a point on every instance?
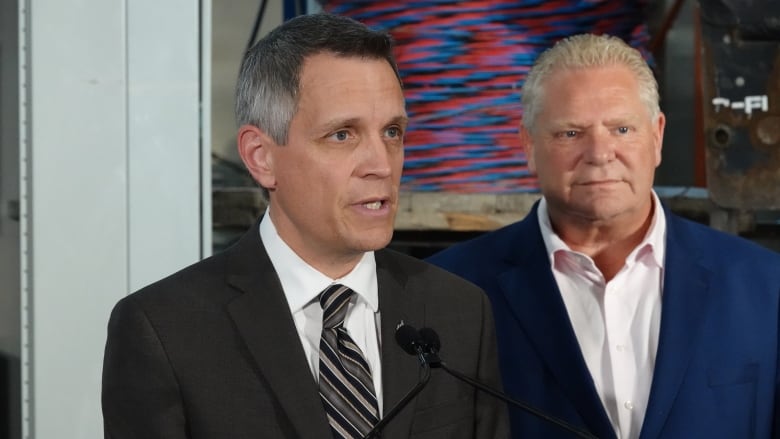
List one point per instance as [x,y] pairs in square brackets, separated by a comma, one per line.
[185,285]
[492,240]
[710,237]
[723,248]
[481,258]
[426,274]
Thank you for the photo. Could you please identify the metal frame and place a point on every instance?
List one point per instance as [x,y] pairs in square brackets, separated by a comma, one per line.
[114,146]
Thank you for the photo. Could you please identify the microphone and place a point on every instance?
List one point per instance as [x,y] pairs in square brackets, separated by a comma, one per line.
[430,339]
[431,344]
[410,341]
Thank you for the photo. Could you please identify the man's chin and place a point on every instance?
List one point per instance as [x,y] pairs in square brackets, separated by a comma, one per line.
[371,240]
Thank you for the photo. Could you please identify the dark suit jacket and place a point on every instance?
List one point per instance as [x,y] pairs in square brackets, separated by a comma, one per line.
[716,371]
[212,352]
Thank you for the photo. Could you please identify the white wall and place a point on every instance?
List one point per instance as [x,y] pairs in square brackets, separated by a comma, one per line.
[114,183]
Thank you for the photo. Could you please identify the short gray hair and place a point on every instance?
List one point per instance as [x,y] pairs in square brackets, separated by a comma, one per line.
[582,51]
[269,78]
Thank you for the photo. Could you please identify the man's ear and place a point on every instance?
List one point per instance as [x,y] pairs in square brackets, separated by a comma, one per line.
[526,143]
[256,150]
[658,137]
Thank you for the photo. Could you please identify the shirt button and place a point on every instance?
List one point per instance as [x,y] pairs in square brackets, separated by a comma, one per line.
[628,405]
[620,348]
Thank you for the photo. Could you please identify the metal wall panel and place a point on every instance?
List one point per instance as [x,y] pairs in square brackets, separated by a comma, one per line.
[112,180]
[78,236]
[163,76]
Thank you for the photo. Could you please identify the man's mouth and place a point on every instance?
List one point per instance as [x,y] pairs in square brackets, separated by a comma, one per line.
[374,205]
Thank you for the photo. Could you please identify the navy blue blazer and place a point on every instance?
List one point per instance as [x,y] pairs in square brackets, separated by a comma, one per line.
[716,372]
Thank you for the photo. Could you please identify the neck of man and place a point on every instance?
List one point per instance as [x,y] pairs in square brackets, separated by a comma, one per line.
[607,242]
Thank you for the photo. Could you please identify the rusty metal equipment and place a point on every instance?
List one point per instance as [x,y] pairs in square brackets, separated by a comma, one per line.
[740,80]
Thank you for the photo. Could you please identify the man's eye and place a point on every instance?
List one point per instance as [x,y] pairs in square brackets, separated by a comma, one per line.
[340,135]
[623,130]
[570,133]
[393,132]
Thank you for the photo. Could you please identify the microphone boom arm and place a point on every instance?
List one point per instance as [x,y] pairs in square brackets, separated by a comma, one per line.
[559,422]
[432,344]
[376,431]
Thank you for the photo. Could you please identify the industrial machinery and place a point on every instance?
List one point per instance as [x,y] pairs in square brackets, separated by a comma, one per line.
[740,87]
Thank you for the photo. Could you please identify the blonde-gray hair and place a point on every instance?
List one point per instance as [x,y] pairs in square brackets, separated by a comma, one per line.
[582,51]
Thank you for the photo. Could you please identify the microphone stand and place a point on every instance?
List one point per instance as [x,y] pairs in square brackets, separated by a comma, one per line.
[432,358]
[425,345]
[559,422]
[426,375]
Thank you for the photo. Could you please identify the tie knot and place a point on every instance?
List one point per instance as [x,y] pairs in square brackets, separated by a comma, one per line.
[334,302]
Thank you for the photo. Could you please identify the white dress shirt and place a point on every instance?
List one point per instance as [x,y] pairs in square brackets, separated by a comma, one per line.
[617,322]
[302,285]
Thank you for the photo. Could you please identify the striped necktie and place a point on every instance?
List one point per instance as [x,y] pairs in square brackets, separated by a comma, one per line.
[346,387]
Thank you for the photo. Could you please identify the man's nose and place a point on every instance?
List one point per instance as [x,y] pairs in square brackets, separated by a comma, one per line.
[377,157]
[600,147]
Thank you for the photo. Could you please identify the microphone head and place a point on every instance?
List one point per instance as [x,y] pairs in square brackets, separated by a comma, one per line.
[409,339]
[430,339]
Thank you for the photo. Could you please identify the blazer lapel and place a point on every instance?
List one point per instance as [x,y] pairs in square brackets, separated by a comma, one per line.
[684,305]
[533,296]
[400,371]
[263,320]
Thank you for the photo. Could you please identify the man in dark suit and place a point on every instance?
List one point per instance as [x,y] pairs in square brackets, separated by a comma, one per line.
[612,313]
[235,346]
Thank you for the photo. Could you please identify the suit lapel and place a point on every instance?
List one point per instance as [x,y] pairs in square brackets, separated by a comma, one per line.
[533,296]
[684,306]
[400,371]
[263,320]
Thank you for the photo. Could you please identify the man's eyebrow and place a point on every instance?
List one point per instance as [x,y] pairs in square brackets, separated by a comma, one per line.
[622,119]
[400,120]
[332,124]
[568,124]
[335,123]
